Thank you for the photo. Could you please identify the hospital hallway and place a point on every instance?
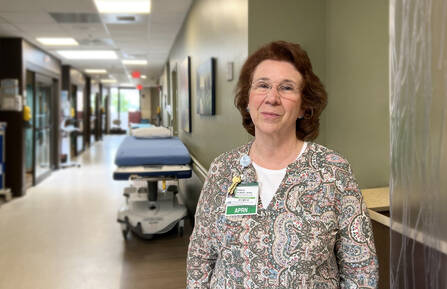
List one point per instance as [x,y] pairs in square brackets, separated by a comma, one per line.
[63,234]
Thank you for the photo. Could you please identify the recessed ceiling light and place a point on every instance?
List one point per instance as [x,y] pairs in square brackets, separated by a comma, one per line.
[144,76]
[134,62]
[123,6]
[108,80]
[88,54]
[96,71]
[54,41]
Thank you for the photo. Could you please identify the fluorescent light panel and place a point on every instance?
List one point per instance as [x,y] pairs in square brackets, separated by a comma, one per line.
[123,6]
[108,80]
[55,41]
[88,54]
[143,76]
[134,62]
[96,71]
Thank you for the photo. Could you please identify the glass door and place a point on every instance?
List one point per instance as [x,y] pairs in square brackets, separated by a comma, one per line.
[115,122]
[103,110]
[29,131]
[80,142]
[73,135]
[93,116]
[42,125]
[129,105]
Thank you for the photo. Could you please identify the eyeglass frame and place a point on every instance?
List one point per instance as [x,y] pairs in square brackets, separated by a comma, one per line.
[296,90]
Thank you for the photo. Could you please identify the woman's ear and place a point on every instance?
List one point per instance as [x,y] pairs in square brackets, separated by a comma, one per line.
[301,114]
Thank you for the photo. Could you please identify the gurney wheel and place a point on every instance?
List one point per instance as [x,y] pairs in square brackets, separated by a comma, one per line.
[180,231]
[139,232]
[125,232]
[180,228]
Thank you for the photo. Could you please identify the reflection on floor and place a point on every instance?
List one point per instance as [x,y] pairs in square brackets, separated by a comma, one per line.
[157,263]
[28,179]
[64,234]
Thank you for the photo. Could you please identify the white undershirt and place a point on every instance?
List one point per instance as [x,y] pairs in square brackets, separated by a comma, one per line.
[269,180]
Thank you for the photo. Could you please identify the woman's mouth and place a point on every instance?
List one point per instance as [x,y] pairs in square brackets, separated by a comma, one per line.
[270,115]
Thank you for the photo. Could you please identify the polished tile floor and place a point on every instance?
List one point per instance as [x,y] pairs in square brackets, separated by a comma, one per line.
[63,234]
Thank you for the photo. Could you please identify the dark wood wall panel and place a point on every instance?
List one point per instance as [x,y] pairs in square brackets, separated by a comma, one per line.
[421,267]
[15,148]
[87,109]
[11,66]
[382,242]
[66,78]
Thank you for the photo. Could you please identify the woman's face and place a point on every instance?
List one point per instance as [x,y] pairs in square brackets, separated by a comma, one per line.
[275,98]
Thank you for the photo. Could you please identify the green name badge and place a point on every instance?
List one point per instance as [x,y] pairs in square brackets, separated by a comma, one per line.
[244,201]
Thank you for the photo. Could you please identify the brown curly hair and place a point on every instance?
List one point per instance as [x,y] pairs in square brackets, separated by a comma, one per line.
[313,94]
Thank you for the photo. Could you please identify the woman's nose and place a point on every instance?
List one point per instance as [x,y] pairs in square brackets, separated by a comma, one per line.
[272,96]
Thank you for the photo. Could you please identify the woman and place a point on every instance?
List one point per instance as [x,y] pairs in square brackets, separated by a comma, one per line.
[309,228]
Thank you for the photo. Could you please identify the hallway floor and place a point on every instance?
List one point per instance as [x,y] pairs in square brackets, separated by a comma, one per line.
[63,234]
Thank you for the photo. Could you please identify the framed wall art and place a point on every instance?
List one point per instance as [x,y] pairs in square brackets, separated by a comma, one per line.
[184,93]
[206,88]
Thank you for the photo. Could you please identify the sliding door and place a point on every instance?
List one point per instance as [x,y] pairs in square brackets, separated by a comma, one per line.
[42,125]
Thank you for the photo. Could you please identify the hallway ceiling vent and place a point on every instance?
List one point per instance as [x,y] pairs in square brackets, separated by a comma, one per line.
[63,18]
[123,19]
[126,18]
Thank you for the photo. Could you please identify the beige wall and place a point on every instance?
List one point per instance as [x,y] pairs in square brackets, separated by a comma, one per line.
[299,21]
[357,116]
[217,29]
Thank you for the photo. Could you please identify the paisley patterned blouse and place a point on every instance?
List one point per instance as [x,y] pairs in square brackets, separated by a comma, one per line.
[315,233]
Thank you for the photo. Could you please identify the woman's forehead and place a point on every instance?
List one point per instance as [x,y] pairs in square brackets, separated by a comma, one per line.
[275,70]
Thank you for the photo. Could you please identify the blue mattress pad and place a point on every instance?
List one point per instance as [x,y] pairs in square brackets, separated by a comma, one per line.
[154,151]
[140,125]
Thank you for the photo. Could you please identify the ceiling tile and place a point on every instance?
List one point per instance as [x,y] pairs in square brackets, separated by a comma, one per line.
[9,30]
[122,38]
[18,6]
[42,30]
[123,29]
[78,6]
[27,17]
[134,44]
[96,43]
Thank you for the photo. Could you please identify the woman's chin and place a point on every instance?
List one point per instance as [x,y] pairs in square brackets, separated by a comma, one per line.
[268,129]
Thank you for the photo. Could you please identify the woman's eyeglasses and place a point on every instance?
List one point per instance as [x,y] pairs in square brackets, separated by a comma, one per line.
[285,89]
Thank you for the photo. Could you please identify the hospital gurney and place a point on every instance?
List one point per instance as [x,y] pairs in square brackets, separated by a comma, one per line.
[150,207]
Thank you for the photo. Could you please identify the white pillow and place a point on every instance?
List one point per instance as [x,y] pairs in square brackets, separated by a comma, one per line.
[151,132]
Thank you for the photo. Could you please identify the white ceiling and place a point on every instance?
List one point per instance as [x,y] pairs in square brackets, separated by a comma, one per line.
[149,37]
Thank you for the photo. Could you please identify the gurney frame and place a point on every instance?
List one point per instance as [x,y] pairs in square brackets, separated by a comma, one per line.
[146,213]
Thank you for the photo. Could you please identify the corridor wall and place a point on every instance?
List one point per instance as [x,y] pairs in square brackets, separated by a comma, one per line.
[215,29]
